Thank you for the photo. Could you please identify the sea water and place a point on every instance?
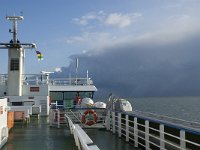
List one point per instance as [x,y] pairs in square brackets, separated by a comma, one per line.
[187,108]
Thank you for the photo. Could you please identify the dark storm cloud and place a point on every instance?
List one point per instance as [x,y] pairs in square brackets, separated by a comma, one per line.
[144,69]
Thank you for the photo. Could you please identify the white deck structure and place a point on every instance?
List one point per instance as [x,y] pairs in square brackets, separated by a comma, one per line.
[37,93]
[3,122]
[24,91]
[150,131]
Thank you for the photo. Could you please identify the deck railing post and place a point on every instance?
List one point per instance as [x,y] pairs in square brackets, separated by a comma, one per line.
[162,137]
[113,122]
[119,124]
[54,116]
[70,125]
[0,134]
[58,118]
[182,139]
[135,132]
[77,140]
[7,132]
[147,134]
[127,128]
[108,120]
[50,118]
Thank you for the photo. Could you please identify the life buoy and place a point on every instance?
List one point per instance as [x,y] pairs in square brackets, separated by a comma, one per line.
[89,117]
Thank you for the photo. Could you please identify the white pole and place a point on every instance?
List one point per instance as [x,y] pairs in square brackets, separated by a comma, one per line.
[162,137]
[58,117]
[70,78]
[76,71]
[113,122]
[127,128]
[119,124]
[135,132]
[108,120]
[87,78]
[182,139]
[147,134]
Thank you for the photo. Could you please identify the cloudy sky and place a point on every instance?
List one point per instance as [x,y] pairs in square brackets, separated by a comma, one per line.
[130,47]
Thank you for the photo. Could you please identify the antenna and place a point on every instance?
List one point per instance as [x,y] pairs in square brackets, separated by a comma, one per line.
[14,19]
[76,71]
[87,78]
[14,43]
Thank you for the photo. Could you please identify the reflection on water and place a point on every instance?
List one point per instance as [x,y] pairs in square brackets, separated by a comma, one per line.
[39,136]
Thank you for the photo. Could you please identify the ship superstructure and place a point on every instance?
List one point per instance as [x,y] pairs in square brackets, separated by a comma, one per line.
[31,92]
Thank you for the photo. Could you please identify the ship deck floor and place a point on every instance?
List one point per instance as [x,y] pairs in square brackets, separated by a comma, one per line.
[38,135]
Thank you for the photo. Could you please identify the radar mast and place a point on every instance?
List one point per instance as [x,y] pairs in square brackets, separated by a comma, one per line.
[16,53]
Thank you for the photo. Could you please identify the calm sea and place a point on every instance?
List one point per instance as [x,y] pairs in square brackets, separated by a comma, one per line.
[187,108]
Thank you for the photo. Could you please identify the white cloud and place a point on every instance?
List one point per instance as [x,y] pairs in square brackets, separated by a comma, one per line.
[92,40]
[121,20]
[172,29]
[114,19]
[74,39]
[86,19]
[80,21]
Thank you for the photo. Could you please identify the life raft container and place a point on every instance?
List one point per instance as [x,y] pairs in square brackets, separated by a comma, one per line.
[89,117]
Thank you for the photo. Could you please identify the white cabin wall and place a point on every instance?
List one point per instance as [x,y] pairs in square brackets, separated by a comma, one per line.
[15,76]
[42,101]
[3,114]
[43,90]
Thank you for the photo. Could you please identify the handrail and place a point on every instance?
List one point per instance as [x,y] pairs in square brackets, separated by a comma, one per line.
[75,115]
[192,127]
[82,140]
[149,132]
[3,135]
[163,117]
[42,79]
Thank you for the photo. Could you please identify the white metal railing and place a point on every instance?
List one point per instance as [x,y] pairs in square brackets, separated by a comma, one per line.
[169,119]
[149,133]
[38,79]
[3,135]
[57,118]
[82,140]
[3,79]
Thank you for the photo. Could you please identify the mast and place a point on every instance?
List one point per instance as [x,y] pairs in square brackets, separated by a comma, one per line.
[14,19]
[76,71]
[16,52]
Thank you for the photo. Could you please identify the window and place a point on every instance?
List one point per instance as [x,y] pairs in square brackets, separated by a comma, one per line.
[34,89]
[17,103]
[69,95]
[14,64]
[55,96]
